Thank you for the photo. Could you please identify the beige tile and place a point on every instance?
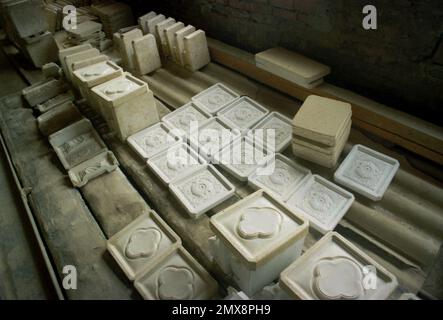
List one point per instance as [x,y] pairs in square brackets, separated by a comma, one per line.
[196,53]
[179,43]
[146,55]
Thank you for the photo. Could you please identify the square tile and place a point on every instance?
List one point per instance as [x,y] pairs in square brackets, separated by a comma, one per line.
[323,202]
[258,227]
[215,98]
[279,176]
[176,162]
[241,158]
[243,113]
[202,190]
[333,269]
[153,140]
[281,137]
[367,172]
[144,240]
[176,276]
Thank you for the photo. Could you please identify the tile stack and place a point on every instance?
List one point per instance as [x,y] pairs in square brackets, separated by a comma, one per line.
[292,66]
[113,16]
[184,45]
[89,32]
[30,35]
[320,130]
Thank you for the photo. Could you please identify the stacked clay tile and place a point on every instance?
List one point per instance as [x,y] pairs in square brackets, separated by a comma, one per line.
[320,130]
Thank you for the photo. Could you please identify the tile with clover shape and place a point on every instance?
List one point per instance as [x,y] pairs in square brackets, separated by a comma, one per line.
[176,276]
[256,238]
[142,241]
[333,269]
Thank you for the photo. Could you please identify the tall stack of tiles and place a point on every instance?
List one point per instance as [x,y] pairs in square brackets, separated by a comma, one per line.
[26,25]
[320,130]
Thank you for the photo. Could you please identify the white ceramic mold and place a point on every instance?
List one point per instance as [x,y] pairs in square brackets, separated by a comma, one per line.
[153,140]
[215,98]
[280,176]
[283,131]
[202,190]
[367,172]
[256,238]
[243,113]
[333,269]
[212,136]
[102,163]
[175,162]
[144,240]
[176,276]
[323,202]
[241,158]
[76,143]
[181,118]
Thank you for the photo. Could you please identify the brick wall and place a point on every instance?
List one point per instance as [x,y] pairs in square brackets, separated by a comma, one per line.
[395,64]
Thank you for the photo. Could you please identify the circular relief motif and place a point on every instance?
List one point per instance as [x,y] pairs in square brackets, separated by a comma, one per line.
[319,200]
[280,176]
[142,243]
[242,114]
[367,169]
[259,223]
[208,136]
[202,188]
[176,163]
[186,118]
[216,99]
[155,140]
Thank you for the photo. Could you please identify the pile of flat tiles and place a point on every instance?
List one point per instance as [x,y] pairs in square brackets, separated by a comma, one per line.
[292,66]
[320,130]
[113,16]
[55,15]
[89,32]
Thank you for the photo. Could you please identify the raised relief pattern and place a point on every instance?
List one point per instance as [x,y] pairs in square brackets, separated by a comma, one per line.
[175,283]
[259,222]
[337,278]
[143,243]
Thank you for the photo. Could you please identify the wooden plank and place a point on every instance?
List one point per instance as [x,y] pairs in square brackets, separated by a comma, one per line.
[416,135]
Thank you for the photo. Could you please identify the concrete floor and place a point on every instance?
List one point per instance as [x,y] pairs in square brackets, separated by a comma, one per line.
[22,272]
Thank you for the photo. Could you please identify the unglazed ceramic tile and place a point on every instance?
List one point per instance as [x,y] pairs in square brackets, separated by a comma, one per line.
[367,172]
[146,55]
[61,99]
[144,240]
[179,43]
[241,158]
[143,21]
[322,202]
[258,228]
[102,163]
[212,136]
[243,113]
[57,118]
[335,269]
[151,23]
[176,162]
[182,118]
[280,176]
[196,53]
[82,55]
[170,37]
[76,143]
[322,119]
[202,190]
[215,98]
[276,140]
[159,30]
[96,74]
[72,50]
[153,140]
[126,48]
[176,276]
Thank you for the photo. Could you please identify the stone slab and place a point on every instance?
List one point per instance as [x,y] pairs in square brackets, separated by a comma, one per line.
[143,20]
[38,94]
[196,54]
[57,118]
[170,38]
[215,98]
[179,43]
[146,55]
[161,37]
